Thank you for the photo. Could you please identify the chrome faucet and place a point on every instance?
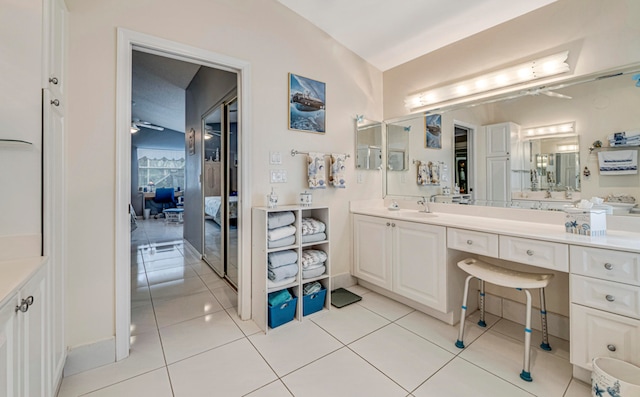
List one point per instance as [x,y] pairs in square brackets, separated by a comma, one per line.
[548,193]
[423,201]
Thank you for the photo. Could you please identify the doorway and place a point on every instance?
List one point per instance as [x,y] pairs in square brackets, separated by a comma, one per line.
[128,41]
[221,189]
[463,157]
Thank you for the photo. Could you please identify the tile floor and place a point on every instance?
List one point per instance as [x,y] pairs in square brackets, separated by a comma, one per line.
[187,341]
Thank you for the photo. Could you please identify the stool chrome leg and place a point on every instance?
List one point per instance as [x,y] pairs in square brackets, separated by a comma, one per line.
[482,323]
[543,313]
[526,371]
[459,342]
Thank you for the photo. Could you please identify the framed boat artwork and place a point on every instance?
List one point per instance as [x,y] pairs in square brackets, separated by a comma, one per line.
[433,131]
[306,104]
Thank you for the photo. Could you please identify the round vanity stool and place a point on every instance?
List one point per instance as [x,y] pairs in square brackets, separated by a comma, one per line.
[507,278]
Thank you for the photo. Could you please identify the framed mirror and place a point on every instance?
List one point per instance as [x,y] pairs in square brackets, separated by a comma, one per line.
[368,144]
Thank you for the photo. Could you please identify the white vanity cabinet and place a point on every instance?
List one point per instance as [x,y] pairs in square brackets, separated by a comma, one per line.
[407,258]
[24,333]
[605,305]
[502,152]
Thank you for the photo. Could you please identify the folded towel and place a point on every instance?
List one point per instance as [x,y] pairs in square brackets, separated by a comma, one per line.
[312,238]
[279,297]
[312,226]
[616,136]
[312,257]
[310,273]
[279,219]
[283,242]
[423,174]
[336,172]
[315,171]
[282,258]
[281,232]
[311,288]
[281,283]
[282,272]
[622,162]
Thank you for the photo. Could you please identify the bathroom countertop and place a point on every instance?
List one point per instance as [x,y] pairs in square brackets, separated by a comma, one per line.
[554,232]
[15,273]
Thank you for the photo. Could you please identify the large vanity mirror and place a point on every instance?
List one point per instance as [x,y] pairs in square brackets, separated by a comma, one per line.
[541,171]
[368,144]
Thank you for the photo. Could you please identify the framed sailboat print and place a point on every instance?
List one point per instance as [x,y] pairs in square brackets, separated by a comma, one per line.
[306,104]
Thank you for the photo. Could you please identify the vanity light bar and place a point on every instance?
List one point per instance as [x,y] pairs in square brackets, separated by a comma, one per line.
[532,70]
[554,129]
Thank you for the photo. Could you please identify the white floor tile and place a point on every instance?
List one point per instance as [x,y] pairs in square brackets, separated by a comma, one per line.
[559,347]
[502,356]
[349,323]
[201,268]
[342,373]
[173,311]
[402,355]
[578,389]
[248,327]
[358,290]
[170,274]
[231,370]
[275,389]
[140,297]
[161,253]
[213,281]
[143,319]
[177,288]
[289,348]
[443,334]
[165,264]
[195,336]
[227,296]
[154,383]
[387,308]
[463,379]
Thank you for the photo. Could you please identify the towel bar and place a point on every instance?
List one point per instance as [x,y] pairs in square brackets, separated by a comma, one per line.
[294,152]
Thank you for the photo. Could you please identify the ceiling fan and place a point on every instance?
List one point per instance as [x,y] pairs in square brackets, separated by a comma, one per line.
[145,124]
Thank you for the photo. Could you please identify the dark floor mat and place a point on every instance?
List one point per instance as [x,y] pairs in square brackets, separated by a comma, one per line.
[341,297]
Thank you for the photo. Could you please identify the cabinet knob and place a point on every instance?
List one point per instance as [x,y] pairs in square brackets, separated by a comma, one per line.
[53,80]
[29,300]
[611,348]
[469,242]
[608,266]
[55,102]
[610,298]
[393,225]
[23,307]
[388,224]
[530,252]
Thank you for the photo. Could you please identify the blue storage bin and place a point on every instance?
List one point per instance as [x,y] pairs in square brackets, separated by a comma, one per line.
[282,313]
[314,302]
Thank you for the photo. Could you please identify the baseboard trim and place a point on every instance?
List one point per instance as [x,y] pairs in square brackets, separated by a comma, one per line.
[344,280]
[86,357]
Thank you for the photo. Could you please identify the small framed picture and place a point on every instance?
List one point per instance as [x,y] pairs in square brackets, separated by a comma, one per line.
[191,142]
[433,131]
[307,104]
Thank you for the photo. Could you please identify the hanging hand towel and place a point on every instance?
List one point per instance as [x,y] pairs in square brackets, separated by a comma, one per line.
[315,171]
[336,176]
[622,162]
[423,174]
[434,172]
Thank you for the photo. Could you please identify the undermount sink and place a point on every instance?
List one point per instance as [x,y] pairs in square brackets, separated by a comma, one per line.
[417,214]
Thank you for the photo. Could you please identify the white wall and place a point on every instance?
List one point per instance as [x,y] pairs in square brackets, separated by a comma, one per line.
[275,41]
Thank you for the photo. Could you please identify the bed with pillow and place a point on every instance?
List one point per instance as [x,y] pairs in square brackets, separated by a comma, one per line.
[212,207]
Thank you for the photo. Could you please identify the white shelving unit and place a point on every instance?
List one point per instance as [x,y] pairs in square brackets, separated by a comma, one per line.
[260,288]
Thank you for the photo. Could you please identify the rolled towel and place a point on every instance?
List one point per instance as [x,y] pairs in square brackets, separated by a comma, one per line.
[310,273]
[279,297]
[312,257]
[282,272]
[283,242]
[281,232]
[312,226]
[311,288]
[312,238]
[279,219]
[282,258]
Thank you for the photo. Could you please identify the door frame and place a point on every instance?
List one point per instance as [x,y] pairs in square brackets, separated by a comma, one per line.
[472,134]
[127,41]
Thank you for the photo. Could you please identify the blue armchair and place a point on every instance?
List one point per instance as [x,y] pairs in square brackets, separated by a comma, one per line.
[165,197]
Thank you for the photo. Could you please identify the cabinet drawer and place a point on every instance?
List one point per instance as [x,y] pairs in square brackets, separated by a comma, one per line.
[606,264]
[475,242]
[595,333]
[536,253]
[606,295]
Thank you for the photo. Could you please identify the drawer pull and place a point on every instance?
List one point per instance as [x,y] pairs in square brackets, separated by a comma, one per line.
[469,242]
[530,252]
[388,224]
[393,225]
[610,298]
[55,102]
[611,348]
[608,266]
[53,80]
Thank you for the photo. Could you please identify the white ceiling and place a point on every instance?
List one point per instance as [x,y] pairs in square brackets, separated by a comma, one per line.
[389,33]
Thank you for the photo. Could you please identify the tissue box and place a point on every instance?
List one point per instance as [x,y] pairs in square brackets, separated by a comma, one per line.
[587,222]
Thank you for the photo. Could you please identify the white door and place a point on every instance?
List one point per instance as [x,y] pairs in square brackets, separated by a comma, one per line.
[8,351]
[498,139]
[498,181]
[33,326]
[372,250]
[419,263]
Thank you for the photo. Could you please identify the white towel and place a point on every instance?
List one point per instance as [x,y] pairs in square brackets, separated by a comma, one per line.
[281,232]
[622,162]
[315,171]
[336,176]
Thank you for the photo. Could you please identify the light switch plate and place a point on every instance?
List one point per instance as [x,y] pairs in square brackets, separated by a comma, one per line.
[275,158]
[278,176]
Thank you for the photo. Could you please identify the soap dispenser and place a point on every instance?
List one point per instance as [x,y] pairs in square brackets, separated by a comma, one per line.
[394,206]
[272,199]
